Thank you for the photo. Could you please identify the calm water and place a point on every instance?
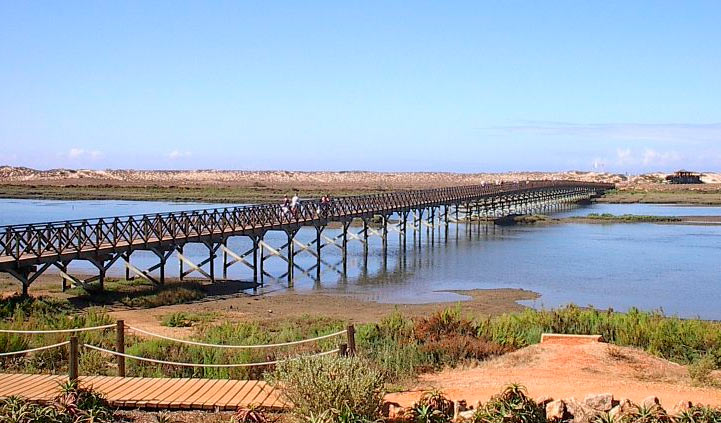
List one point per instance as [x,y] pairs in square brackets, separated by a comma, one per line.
[676,268]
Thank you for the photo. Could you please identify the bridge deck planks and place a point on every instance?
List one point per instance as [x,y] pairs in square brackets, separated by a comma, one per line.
[153,393]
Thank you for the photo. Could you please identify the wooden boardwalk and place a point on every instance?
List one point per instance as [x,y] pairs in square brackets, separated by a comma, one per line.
[150,393]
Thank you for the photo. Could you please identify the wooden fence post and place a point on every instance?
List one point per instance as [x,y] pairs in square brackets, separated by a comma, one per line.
[120,346]
[351,340]
[73,360]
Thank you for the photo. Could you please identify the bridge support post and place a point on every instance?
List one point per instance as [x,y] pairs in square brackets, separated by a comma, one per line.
[63,266]
[179,249]
[384,235]
[344,248]
[25,281]
[432,222]
[163,259]
[224,242]
[100,265]
[256,240]
[126,257]
[445,221]
[365,238]
[211,260]
[291,255]
[318,246]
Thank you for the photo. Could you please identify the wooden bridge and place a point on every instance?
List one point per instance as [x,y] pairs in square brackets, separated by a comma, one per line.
[27,251]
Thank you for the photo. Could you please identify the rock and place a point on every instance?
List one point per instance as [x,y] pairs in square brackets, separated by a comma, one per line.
[543,401]
[600,402]
[555,410]
[398,414]
[650,402]
[680,407]
[465,415]
[391,409]
[624,408]
[580,412]
[459,407]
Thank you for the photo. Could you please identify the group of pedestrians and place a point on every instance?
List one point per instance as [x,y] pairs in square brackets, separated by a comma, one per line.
[291,206]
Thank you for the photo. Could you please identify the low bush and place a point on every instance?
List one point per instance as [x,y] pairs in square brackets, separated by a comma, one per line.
[701,371]
[433,406]
[510,406]
[331,384]
[680,340]
[182,319]
[25,305]
[142,294]
[632,218]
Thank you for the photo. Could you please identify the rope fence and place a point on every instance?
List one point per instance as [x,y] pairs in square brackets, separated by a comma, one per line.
[343,349]
[203,344]
[38,332]
[177,363]
[47,347]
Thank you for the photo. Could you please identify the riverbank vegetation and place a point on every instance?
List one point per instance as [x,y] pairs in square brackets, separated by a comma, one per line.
[699,194]
[628,218]
[139,293]
[398,346]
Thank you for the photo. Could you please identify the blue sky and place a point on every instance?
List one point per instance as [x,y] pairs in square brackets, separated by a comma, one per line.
[442,86]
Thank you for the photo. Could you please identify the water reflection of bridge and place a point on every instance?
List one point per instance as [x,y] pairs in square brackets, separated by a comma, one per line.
[27,251]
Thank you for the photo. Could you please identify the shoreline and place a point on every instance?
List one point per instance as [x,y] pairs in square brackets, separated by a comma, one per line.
[243,305]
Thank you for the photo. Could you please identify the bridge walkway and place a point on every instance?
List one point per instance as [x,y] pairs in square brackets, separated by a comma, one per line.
[150,393]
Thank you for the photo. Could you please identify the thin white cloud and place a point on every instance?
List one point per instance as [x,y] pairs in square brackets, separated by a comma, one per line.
[654,158]
[81,153]
[648,158]
[663,132]
[176,155]
[624,157]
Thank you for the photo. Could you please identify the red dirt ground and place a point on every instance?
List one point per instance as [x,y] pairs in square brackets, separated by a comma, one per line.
[569,369]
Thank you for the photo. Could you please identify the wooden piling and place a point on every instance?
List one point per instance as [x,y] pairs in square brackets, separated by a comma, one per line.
[351,340]
[73,359]
[120,346]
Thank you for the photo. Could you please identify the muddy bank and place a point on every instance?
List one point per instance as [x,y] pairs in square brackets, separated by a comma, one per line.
[227,299]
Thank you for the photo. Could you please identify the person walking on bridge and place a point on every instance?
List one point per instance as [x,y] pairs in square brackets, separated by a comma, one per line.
[324,206]
[295,204]
[286,205]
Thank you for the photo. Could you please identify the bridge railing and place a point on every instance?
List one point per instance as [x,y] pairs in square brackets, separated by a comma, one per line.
[68,238]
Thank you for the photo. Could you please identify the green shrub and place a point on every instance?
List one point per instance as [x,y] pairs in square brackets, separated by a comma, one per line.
[39,313]
[343,385]
[433,406]
[510,406]
[182,319]
[73,405]
[26,306]
[699,414]
[680,340]
[701,371]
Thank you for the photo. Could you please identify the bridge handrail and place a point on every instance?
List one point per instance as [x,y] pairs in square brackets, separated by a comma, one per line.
[142,216]
[71,237]
[177,363]
[203,344]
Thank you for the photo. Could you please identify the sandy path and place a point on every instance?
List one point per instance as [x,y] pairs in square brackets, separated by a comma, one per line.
[569,370]
[245,307]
